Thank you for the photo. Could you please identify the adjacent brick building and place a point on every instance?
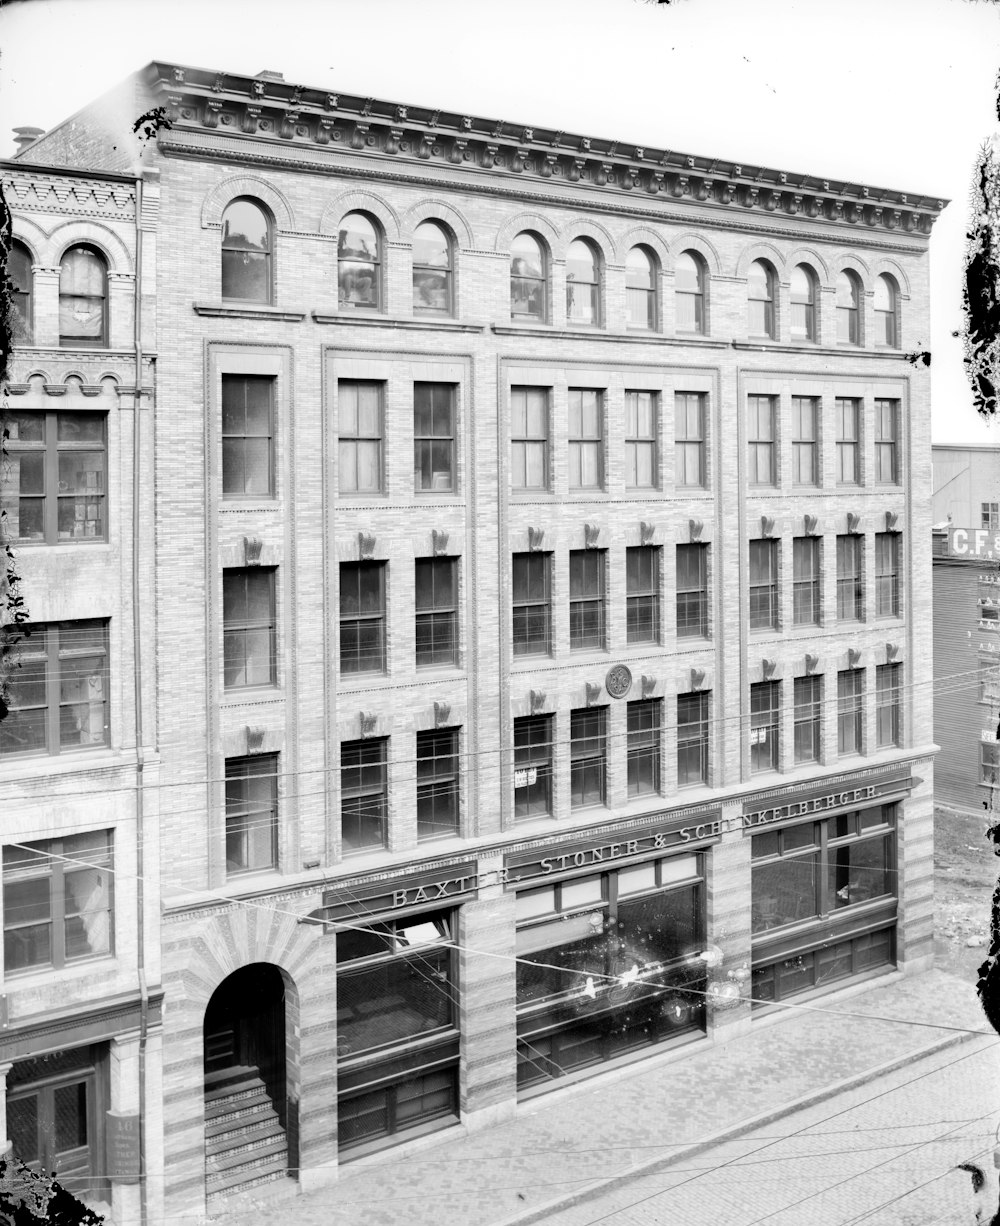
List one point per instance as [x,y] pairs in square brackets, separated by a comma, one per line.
[542,624]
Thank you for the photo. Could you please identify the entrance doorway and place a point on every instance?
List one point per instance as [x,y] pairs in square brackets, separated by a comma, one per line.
[246,1100]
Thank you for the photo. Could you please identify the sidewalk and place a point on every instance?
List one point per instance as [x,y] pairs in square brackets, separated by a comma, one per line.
[644,1116]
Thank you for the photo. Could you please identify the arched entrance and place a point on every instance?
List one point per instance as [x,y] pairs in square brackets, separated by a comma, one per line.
[246,1096]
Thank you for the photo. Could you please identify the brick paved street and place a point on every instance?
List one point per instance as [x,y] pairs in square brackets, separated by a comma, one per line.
[625,1126]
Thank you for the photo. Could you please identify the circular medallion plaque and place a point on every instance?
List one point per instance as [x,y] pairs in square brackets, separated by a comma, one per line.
[618,682]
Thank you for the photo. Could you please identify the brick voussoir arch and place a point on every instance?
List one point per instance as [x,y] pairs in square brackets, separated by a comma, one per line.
[892,269]
[643,236]
[436,210]
[695,242]
[526,221]
[853,263]
[31,236]
[762,251]
[355,201]
[254,187]
[811,257]
[89,234]
[583,227]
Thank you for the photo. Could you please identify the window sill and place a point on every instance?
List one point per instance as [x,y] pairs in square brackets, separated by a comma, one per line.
[813,350]
[71,970]
[599,334]
[235,697]
[88,542]
[249,310]
[22,768]
[407,325]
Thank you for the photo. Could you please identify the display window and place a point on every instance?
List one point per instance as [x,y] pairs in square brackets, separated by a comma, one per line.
[397,1027]
[608,963]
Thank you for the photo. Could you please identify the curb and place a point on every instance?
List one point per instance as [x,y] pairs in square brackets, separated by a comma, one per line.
[569,1199]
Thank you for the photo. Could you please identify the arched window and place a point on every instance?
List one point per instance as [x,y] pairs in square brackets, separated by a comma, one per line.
[246,252]
[359,272]
[432,271]
[640,289]
[886,311]
[848,308]
[689,292]
[583,284]
[19,270]
[83,296]
[528,277]
[803,303]
[760,299]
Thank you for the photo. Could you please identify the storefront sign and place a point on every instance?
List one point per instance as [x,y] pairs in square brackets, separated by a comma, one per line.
[123,1146]
[973,543]
[565,857]
[823,802]
[456,883]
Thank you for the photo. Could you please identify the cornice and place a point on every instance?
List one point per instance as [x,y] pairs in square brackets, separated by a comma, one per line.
[275,110]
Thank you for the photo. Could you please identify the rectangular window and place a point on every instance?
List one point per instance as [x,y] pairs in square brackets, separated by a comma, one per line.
[989,681]
[805,440]
[806,580]
[360,434]
[765,710]
[644,747]
[761,438]
[54,911]
[437,783]
[588,757]
[763,585]
[850,711]
[362,617]
[251,814]
[989,763]
[642,588]
[991,516]
[886,441]
[248,627]
[247,436]
[808,710]
[586,599]
[53,483]
[532,603]
[436,584]
[641,463]
[692,739]
[529,438]
[434,436]
[397,1037]
[586,439]
[850,578]
[689,438]
[59,693]
[848,441]
[533,767]
[888,691]
[887,574]
[692,591]
[364,794]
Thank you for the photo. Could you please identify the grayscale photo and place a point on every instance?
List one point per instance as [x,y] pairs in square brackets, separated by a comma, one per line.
[500,613]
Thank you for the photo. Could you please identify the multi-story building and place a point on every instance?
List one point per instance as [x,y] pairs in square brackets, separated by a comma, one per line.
[542,626]
[966,585]
[80,999]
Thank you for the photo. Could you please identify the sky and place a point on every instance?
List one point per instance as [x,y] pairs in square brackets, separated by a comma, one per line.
[892,93]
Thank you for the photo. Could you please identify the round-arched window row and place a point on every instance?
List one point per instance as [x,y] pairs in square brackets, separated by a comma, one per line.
[761,282]
[247,247]
[848,308]
[887,311]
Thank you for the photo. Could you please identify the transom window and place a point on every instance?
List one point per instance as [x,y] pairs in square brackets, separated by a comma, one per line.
[59,694]
[803,289]
[432,270]
[359,264]
[760,298]
[689,292]
[53,481]
[83,299]
[58,901]
[434,437]
[528,278]
[848,308]
[640,289]
[583,284]
[246,252]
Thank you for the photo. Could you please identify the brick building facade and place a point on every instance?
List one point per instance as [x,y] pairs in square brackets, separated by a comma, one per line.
[555,745]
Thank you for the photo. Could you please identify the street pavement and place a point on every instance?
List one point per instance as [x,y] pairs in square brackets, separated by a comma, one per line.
[667,1124]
